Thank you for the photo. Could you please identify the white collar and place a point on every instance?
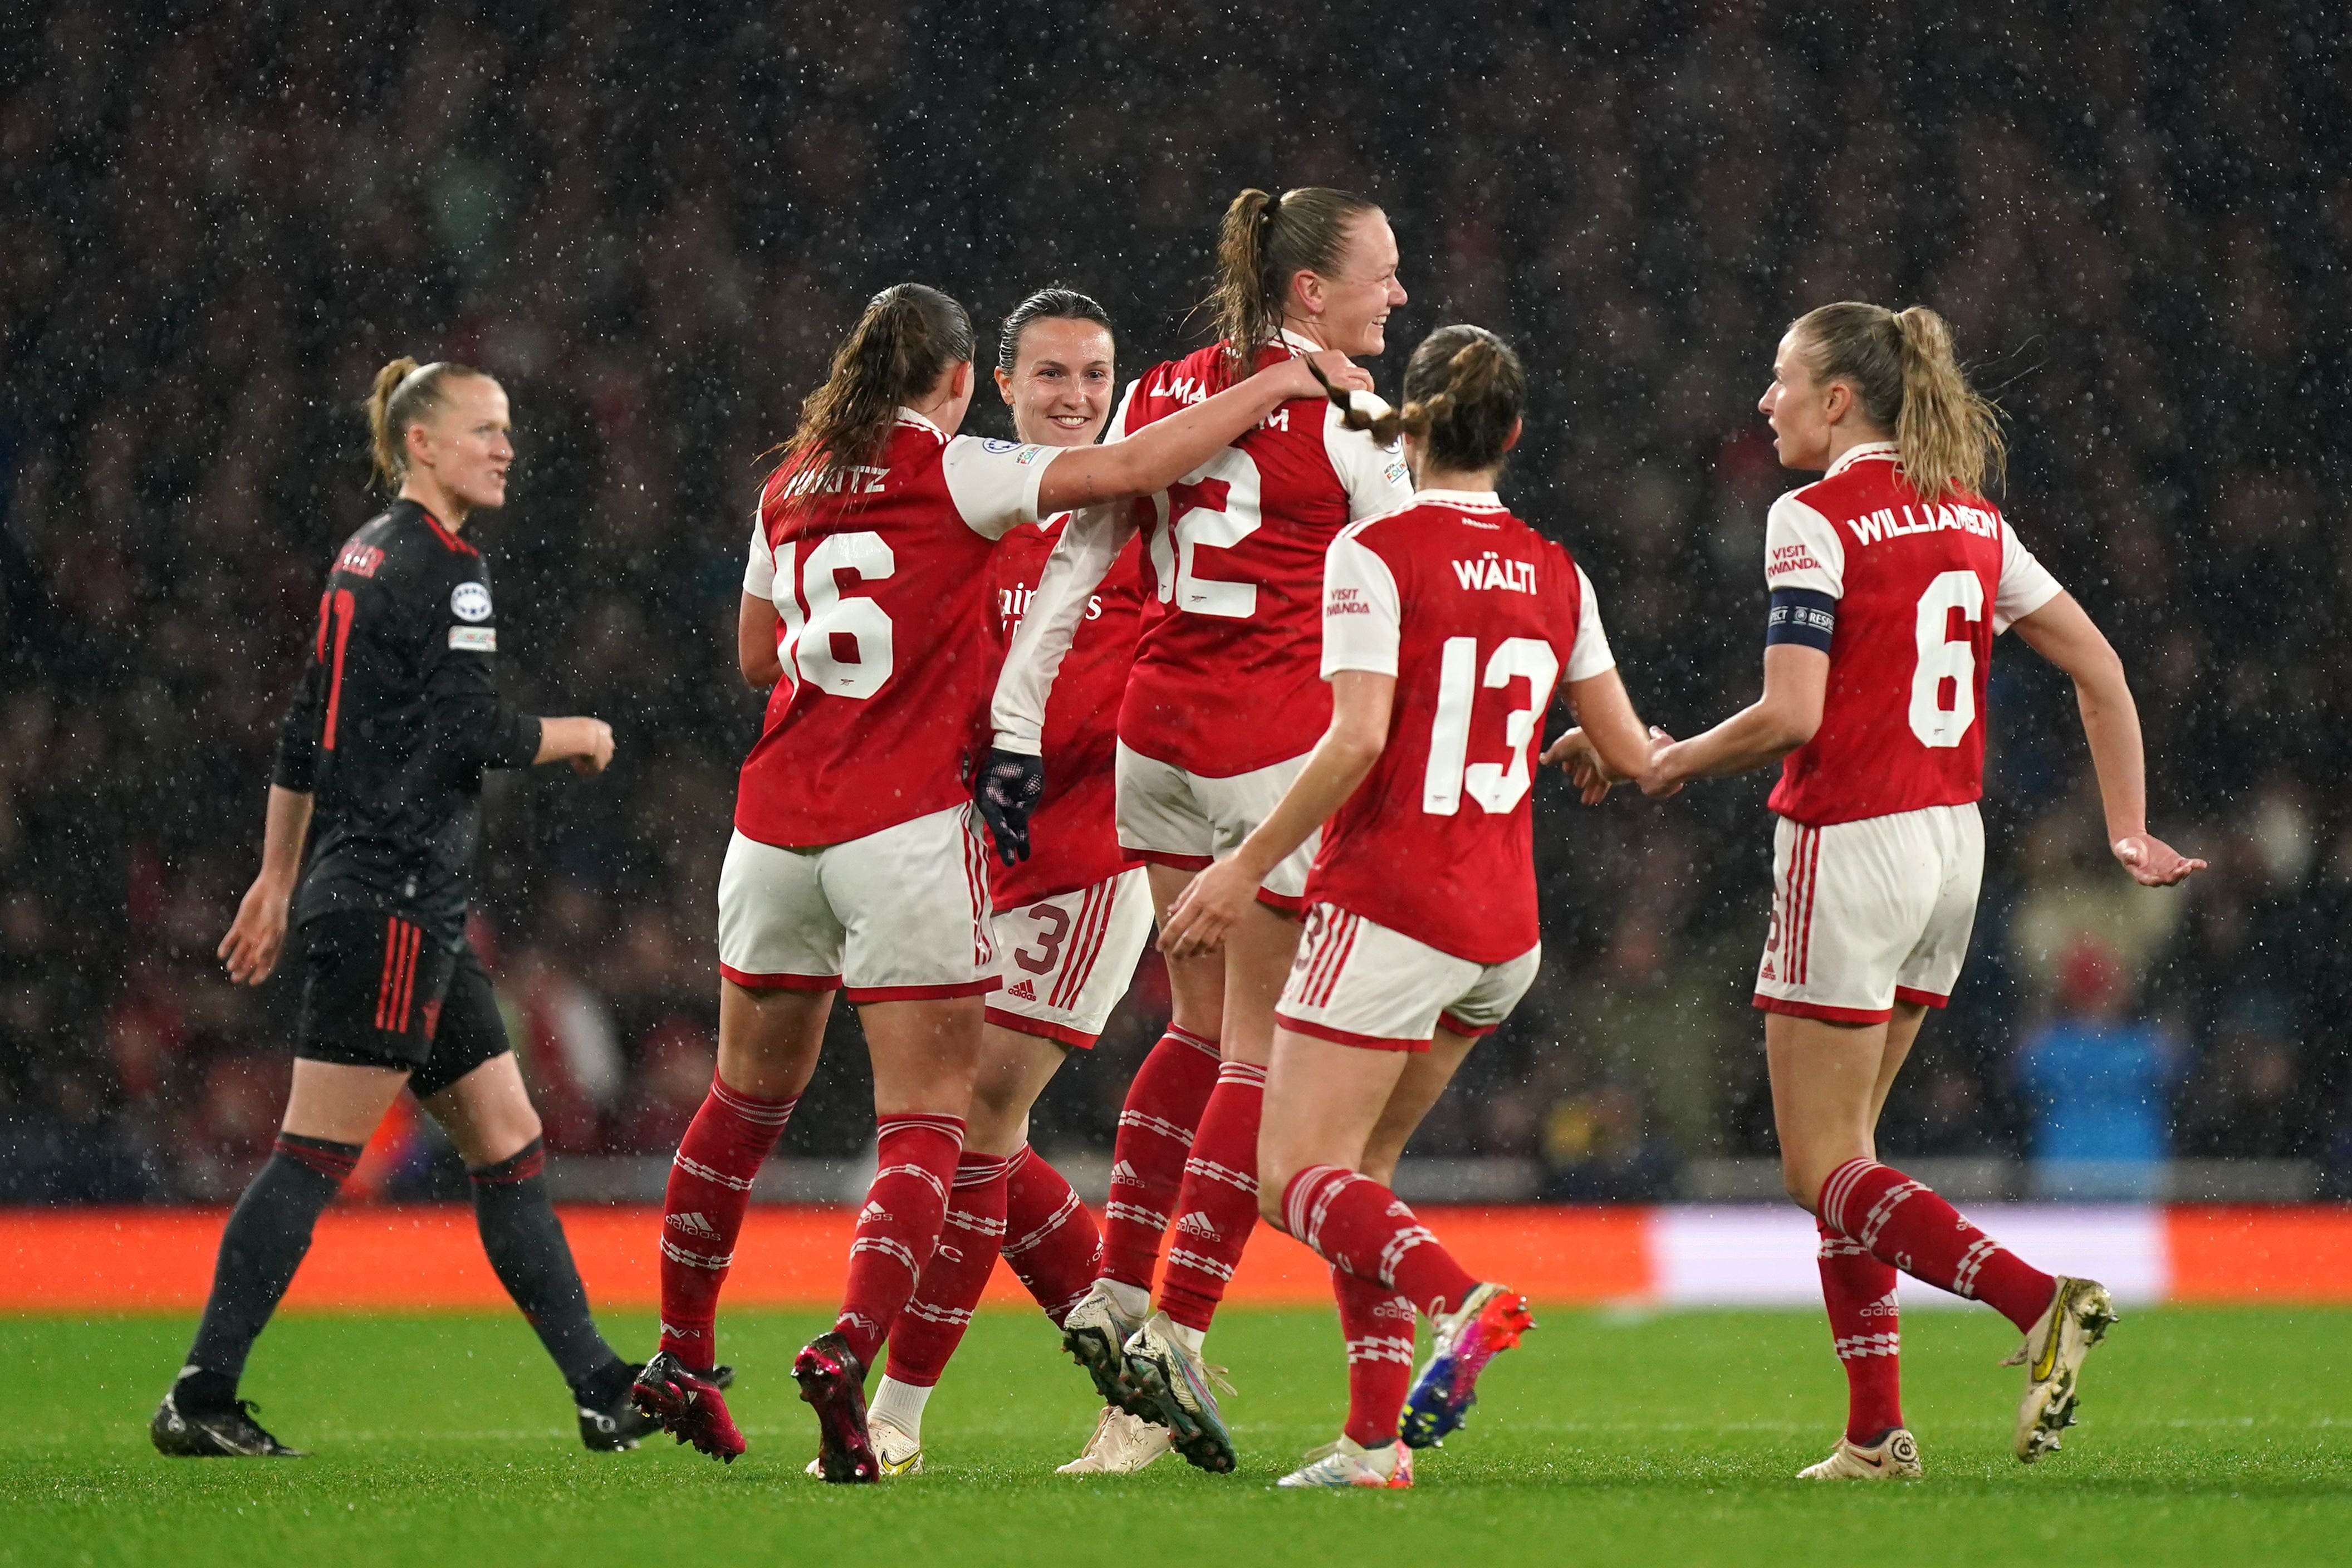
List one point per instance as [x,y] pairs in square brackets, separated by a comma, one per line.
[1477,501]
[909,417]
[1304,345]
[1853,455]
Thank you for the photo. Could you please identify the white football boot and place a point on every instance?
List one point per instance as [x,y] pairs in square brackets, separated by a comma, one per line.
[1094,1333]
[1893,1457]
[1344,1464]
[2078,1317]
[899,1453]
[1122,1444]
[1182,1387]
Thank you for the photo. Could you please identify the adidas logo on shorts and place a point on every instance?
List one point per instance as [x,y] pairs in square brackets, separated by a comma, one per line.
[1197,1224]
[1023,992]
[693,1225]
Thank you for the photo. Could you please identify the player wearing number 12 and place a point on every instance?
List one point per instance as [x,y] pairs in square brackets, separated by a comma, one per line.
[854,865]
[1447,627]
[1221,709]
[1889,580]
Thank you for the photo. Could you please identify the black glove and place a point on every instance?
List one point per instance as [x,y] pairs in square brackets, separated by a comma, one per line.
[1006,791]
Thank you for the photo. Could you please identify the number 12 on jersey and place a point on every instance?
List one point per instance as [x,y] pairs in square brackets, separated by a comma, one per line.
[1495,786]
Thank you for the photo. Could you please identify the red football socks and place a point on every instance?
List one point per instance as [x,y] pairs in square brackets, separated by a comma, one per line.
[1217,1207]
[898,1226]
[1359,1226]
[1378,1324]
[1155,1133]
[1865,1326]
[709,1189]
[1050,1241]
[933,1322]
[1903,1223]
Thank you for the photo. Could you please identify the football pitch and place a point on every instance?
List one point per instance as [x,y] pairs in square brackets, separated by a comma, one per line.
[2209,1437]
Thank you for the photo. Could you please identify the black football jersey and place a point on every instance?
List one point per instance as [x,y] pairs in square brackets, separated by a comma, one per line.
[396,718]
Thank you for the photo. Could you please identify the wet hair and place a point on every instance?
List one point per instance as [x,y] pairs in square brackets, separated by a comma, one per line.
[405,394]
[909,337]
[1264,243]
[1055,304]
[1463,389]
[1905,374]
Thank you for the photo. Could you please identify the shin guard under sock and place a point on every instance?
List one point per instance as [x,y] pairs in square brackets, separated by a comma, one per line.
[1216,1208]
[1903,1223]
[1050,1241]
[1155,1136]
[898,1226]
[1358,1224]
[1866,1328]
[931,1324]
[709,1189]
[264,1243]
[527,1249]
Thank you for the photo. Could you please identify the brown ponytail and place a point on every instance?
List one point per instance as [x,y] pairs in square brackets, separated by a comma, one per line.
[1264,243]
[909,336]
[1463,389]
[1908,381]
[405,394]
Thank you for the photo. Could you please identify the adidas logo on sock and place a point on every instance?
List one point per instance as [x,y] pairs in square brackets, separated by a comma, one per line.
[1123,1175]
[1023,992]
[693,1225]
[1198,1224]
[873,1214]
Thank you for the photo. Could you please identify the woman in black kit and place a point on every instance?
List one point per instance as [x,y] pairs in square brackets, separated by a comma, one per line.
[380,766]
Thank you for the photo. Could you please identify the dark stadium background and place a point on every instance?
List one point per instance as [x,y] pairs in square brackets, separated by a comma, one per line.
[651,223]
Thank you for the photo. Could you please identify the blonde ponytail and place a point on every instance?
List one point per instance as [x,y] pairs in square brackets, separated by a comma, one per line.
[1948,437]
[405,394]
[1908,381]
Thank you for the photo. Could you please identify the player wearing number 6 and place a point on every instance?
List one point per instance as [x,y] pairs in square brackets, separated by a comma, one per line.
[1447,626]
[854,865]
[1890,578]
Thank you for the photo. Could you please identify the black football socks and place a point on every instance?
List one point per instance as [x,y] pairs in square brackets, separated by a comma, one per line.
[265,1241]
[526,1247]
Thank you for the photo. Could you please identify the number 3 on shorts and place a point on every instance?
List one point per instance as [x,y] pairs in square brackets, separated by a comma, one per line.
[814,642]
[1943,657]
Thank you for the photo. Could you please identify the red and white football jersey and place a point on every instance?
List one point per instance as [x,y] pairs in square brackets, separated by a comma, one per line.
[885,630]
[1073,829]
[1920,593]
[1225,678]
[1478,617]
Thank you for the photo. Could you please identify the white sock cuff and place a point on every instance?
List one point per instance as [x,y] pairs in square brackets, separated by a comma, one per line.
[901,1404]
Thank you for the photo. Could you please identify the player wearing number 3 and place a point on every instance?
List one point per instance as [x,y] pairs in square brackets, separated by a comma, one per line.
[854,865]
[1447,626]
[1889,580]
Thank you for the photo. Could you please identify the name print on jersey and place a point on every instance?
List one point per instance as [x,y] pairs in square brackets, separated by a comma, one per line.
[359,560]
[1491,571]
[856,480]
[1871,527]
[1012,603]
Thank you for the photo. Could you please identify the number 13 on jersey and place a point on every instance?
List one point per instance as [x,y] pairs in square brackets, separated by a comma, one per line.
[1495,786]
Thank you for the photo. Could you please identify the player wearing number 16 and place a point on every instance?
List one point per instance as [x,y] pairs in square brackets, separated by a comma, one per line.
[1890,578]
[855,864]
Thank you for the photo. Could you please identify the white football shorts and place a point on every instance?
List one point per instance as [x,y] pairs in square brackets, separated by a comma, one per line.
[1360,983]
[899,915]
[1066,961]
[1869,913]
[1188,820]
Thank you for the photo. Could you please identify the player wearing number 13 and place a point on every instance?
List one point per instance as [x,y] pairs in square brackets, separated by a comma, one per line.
[1889,580]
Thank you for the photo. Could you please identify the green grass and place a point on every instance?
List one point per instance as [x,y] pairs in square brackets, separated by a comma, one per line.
[2208,1437]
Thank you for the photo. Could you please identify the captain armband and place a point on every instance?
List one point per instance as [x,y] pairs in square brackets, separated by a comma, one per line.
[1800,615]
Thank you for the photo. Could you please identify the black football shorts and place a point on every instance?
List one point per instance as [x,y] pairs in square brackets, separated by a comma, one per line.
[379,991]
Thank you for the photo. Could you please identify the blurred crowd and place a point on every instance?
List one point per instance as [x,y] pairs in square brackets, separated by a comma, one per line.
[653,223]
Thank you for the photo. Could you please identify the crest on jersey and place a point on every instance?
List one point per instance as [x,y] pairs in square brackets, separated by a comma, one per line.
[470,602]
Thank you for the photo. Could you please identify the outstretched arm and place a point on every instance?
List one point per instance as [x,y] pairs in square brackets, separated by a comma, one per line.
[2062,632]
[1167,450]
[1796,682]
[1359,733]
[1607,747]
